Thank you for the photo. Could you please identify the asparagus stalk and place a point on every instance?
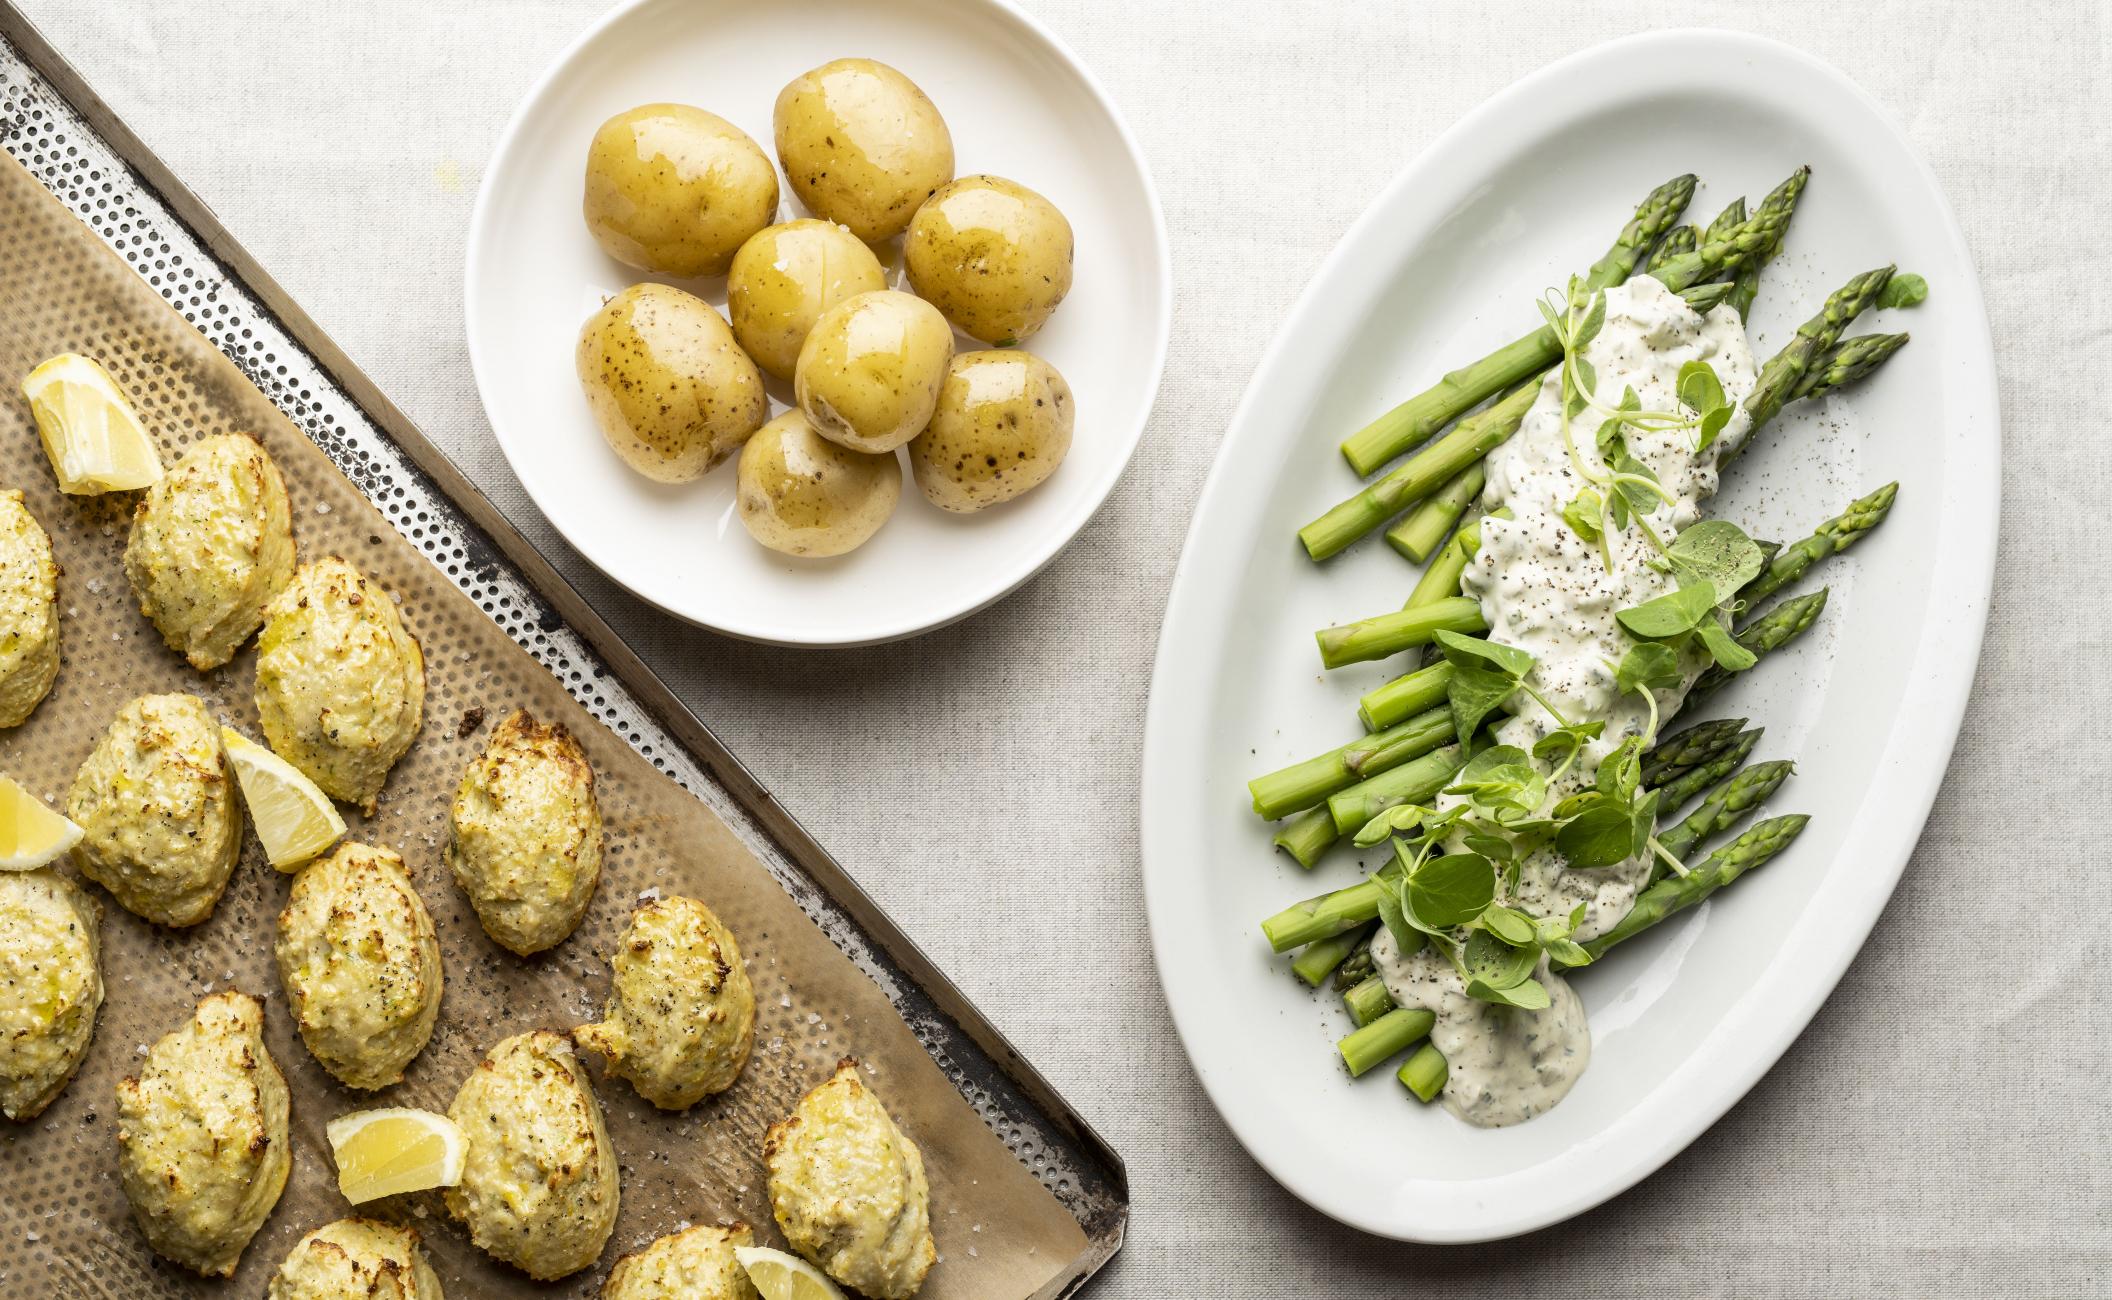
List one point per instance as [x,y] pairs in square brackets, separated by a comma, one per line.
[1682,751]
[1679,239]
[1416,781]
[1441,576]
[1755,237]
[1302,785]
[1358,966]
[1474,437]
[1424,1073]
[1389,634]
[1325,915]
[1783,372]
[1420,531]
[1677,893]
[1737,795]
[1384,1038]
[1319,960]
[1846,362]
[1674,794]
[1367,1000]
[1832,537]
[1308,836]
[1408,694]
[1728,220]
[1415,420]
[1764,635]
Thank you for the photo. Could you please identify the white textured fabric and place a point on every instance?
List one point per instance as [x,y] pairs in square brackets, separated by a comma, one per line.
[1941,1129]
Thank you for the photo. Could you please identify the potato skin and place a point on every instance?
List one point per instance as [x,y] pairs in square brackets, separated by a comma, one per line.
[677,190]
[870,371]
[1002,426]
[801,494]
[992,255]
[785,277]
[862,145]
[670,389]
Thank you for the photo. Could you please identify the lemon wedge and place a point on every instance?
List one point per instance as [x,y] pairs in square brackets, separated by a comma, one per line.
[31,835]
[784,1277]
[90,430]
[382,1152]
[294,820]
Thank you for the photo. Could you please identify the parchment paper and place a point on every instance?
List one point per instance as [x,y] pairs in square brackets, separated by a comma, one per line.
[65,1228]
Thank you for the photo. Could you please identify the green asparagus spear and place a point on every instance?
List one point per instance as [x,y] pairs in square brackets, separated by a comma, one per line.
[1416,781]
[1757,236]
[1728,220]
[1389,634]
[1420,531]
[1763,635]
[1834,536]
[1358,966]
[1415,420]
[1384,1038]
[1786,369]
[1682,751]
[1405,696]
[1441,576]
[1367,1000]
[1677,893]
[1308,836]
[1302,785]
[1319,960]
[1673,794]
[1846,362]
[1451,455]
[1736,795]
[1425,1073]
[1679,239]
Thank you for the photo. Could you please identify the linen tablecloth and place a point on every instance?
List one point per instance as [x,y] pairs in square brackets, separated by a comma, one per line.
[1943,1126]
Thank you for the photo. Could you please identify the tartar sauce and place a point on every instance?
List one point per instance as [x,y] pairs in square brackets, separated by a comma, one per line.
[1549,592]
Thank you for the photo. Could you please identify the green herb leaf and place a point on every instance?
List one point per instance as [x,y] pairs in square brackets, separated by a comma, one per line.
[1509,924]
[1723,647]
[1474,693]
[1716,551]
[1594,319]
[1673,614]
[1648,664]
[1461,648]
[1622,771]
[1567,951]
[1396,921]
[1528,996]
[1451,890]
[1489,960]
[1400,817]
[1712,426]
[1582,514]
[1558,744]
[1904,290]
[1600,836]
[1642,815]
[1699,389]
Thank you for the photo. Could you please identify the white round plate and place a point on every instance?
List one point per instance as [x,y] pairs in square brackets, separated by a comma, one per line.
[1019,105]
[1446,263]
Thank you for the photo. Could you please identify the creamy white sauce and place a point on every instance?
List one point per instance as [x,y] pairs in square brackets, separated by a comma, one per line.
[1546,590]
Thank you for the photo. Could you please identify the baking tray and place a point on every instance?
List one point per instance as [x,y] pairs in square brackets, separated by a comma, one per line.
[229,349]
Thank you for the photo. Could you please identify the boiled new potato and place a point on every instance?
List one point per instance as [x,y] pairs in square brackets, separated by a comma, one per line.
[869,373]
[1002,426]
[670,389]
[785,277]
[676,190]
[804,495]
[991,254]
[862,145]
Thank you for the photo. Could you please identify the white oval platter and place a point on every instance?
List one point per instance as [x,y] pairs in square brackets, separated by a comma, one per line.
[1445,264]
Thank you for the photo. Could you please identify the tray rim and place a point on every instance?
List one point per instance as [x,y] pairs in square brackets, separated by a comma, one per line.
[1104,1239]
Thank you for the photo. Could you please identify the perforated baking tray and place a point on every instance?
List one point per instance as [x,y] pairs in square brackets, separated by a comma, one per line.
[223,347]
